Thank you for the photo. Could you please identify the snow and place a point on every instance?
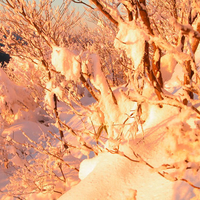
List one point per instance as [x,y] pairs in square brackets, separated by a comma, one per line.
[12,99]
[132,40]
[113,152]
[117,172]
[112,175]
[35,133]
[115,176]
[3,182]
[105,177]
[157,115]
[98,78]
[16,160]
[168,64]
[16,131]
[66,62]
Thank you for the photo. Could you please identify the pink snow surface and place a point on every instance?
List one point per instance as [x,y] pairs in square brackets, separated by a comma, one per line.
[122,175]
[114,176]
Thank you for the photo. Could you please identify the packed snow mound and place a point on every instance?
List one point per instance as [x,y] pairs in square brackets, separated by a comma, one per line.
[115,177]
[87,166]
[122,174]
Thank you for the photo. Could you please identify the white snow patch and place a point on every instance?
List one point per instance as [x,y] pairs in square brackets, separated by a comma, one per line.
[157,116]
[168,63]
[14,99]
[66,62]
[132,40]
[115,177]
[87,166]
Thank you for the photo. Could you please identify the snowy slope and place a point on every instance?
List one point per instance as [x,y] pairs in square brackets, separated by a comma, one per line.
[134,168]
[113,176]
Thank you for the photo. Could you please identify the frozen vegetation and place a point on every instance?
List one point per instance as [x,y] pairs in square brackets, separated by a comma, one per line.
[112,113]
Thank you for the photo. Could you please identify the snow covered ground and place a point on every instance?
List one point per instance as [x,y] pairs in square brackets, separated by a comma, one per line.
[115,175]
[124,169]
[118,175]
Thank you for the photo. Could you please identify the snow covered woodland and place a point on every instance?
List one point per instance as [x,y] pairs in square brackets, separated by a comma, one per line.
[103,110]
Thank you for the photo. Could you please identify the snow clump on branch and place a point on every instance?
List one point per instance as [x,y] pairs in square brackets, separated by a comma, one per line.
[66,62]
[132,40]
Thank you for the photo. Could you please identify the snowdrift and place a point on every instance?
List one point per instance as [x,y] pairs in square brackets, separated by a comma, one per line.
[126,173]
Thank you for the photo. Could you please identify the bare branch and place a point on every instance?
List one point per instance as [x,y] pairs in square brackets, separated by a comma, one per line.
[102,8]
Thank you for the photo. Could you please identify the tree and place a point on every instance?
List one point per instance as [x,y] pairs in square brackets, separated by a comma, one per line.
[135,107]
